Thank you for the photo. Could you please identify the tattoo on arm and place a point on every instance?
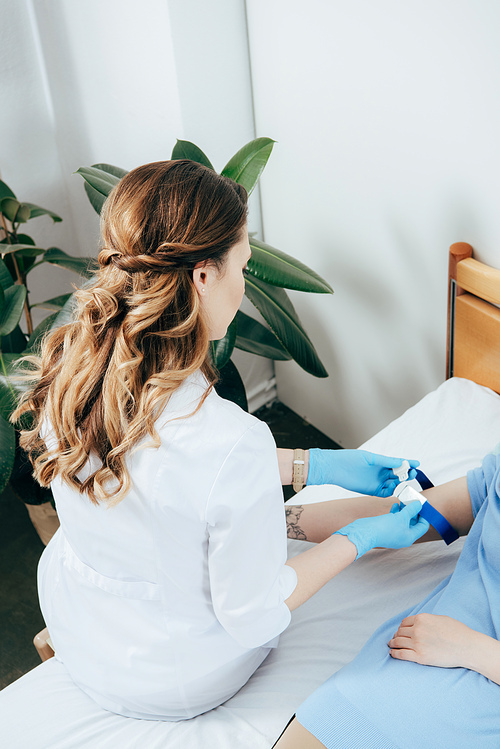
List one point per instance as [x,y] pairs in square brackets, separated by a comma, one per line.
[293,530]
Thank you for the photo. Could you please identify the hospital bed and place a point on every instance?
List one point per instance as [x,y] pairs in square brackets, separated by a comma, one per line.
[449,431]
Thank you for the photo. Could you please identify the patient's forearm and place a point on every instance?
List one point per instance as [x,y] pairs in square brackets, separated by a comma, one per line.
[317,521]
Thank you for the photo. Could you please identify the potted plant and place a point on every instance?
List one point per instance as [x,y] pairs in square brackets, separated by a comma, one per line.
[19,255]
[270,272]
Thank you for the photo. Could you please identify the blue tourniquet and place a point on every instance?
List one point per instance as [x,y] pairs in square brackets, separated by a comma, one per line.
[433,516]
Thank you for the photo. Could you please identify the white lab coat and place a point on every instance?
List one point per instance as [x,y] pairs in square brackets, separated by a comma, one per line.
[163,606]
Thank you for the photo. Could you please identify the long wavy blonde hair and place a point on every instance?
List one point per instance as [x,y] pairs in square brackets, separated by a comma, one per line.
[101,381]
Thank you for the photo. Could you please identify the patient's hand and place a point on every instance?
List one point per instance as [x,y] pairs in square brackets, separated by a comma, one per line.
[433,640]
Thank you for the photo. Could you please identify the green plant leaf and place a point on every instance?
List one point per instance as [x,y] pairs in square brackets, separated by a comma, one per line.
[27,261]
[23,214]
[11,366]
[246,166]
[14,343]
[6,279]
[66,314]
[36,210]
[5,191]
[85,266]
[256,339]
[115,171]
[11,386]
[55,303]
[9,207]
[41,329]
[101,182]
[7,260]
[24,259]
[12,308]
[24,485]
[7,451]
[96,197]
[8,397]
[279,313]
[222,349]
[25,239]
[28,250]
[230,386]
[279,269]
[184,149]
[100,179]
[52,322]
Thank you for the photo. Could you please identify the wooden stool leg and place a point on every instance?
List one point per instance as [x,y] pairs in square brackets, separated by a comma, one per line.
[44,519]
[42,643]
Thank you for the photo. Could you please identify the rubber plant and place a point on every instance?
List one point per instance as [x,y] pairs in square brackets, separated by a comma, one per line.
[19,255]
[270,271]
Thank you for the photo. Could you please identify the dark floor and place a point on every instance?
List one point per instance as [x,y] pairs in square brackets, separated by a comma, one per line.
[20,617]
[20,549]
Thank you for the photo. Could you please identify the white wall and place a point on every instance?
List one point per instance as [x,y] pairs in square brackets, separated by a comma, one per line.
[85,81]
[387,118]
[29,157]
[107,107]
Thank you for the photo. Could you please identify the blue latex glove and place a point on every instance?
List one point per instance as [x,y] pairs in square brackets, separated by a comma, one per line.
[357,470]
[398,528]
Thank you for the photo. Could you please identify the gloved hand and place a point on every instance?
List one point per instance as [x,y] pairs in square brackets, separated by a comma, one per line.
[398,528]
[357,470]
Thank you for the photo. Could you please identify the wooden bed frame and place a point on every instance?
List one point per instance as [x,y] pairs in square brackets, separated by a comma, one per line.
[473,347]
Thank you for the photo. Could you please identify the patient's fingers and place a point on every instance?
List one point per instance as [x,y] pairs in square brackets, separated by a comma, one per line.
[408,621]
[403,654]
[407,631]
[400,642]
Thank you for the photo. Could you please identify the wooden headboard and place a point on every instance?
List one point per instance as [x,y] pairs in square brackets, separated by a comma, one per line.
[473,349]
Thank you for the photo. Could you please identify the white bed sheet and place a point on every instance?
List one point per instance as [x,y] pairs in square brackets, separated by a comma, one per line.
[449,431]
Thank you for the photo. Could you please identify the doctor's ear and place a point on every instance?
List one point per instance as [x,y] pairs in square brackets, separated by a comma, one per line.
[204,275]
[200,277]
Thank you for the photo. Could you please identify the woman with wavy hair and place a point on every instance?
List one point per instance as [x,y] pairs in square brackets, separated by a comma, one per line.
[167,582]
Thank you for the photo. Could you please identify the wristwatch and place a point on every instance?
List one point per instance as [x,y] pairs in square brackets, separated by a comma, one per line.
[298,469]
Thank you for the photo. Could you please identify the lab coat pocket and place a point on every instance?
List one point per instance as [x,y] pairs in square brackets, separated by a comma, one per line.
[131,589]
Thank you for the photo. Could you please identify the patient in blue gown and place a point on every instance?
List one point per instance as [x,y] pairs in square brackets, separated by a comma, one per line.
[430,676]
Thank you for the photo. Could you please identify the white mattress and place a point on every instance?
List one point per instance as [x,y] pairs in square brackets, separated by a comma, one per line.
[449,431]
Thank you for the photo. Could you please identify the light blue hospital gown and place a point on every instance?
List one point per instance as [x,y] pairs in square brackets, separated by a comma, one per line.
[377,702]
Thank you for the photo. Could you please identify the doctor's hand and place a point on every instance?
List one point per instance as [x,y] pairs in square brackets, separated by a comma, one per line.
[433,640]
[356,470]
[397,529]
